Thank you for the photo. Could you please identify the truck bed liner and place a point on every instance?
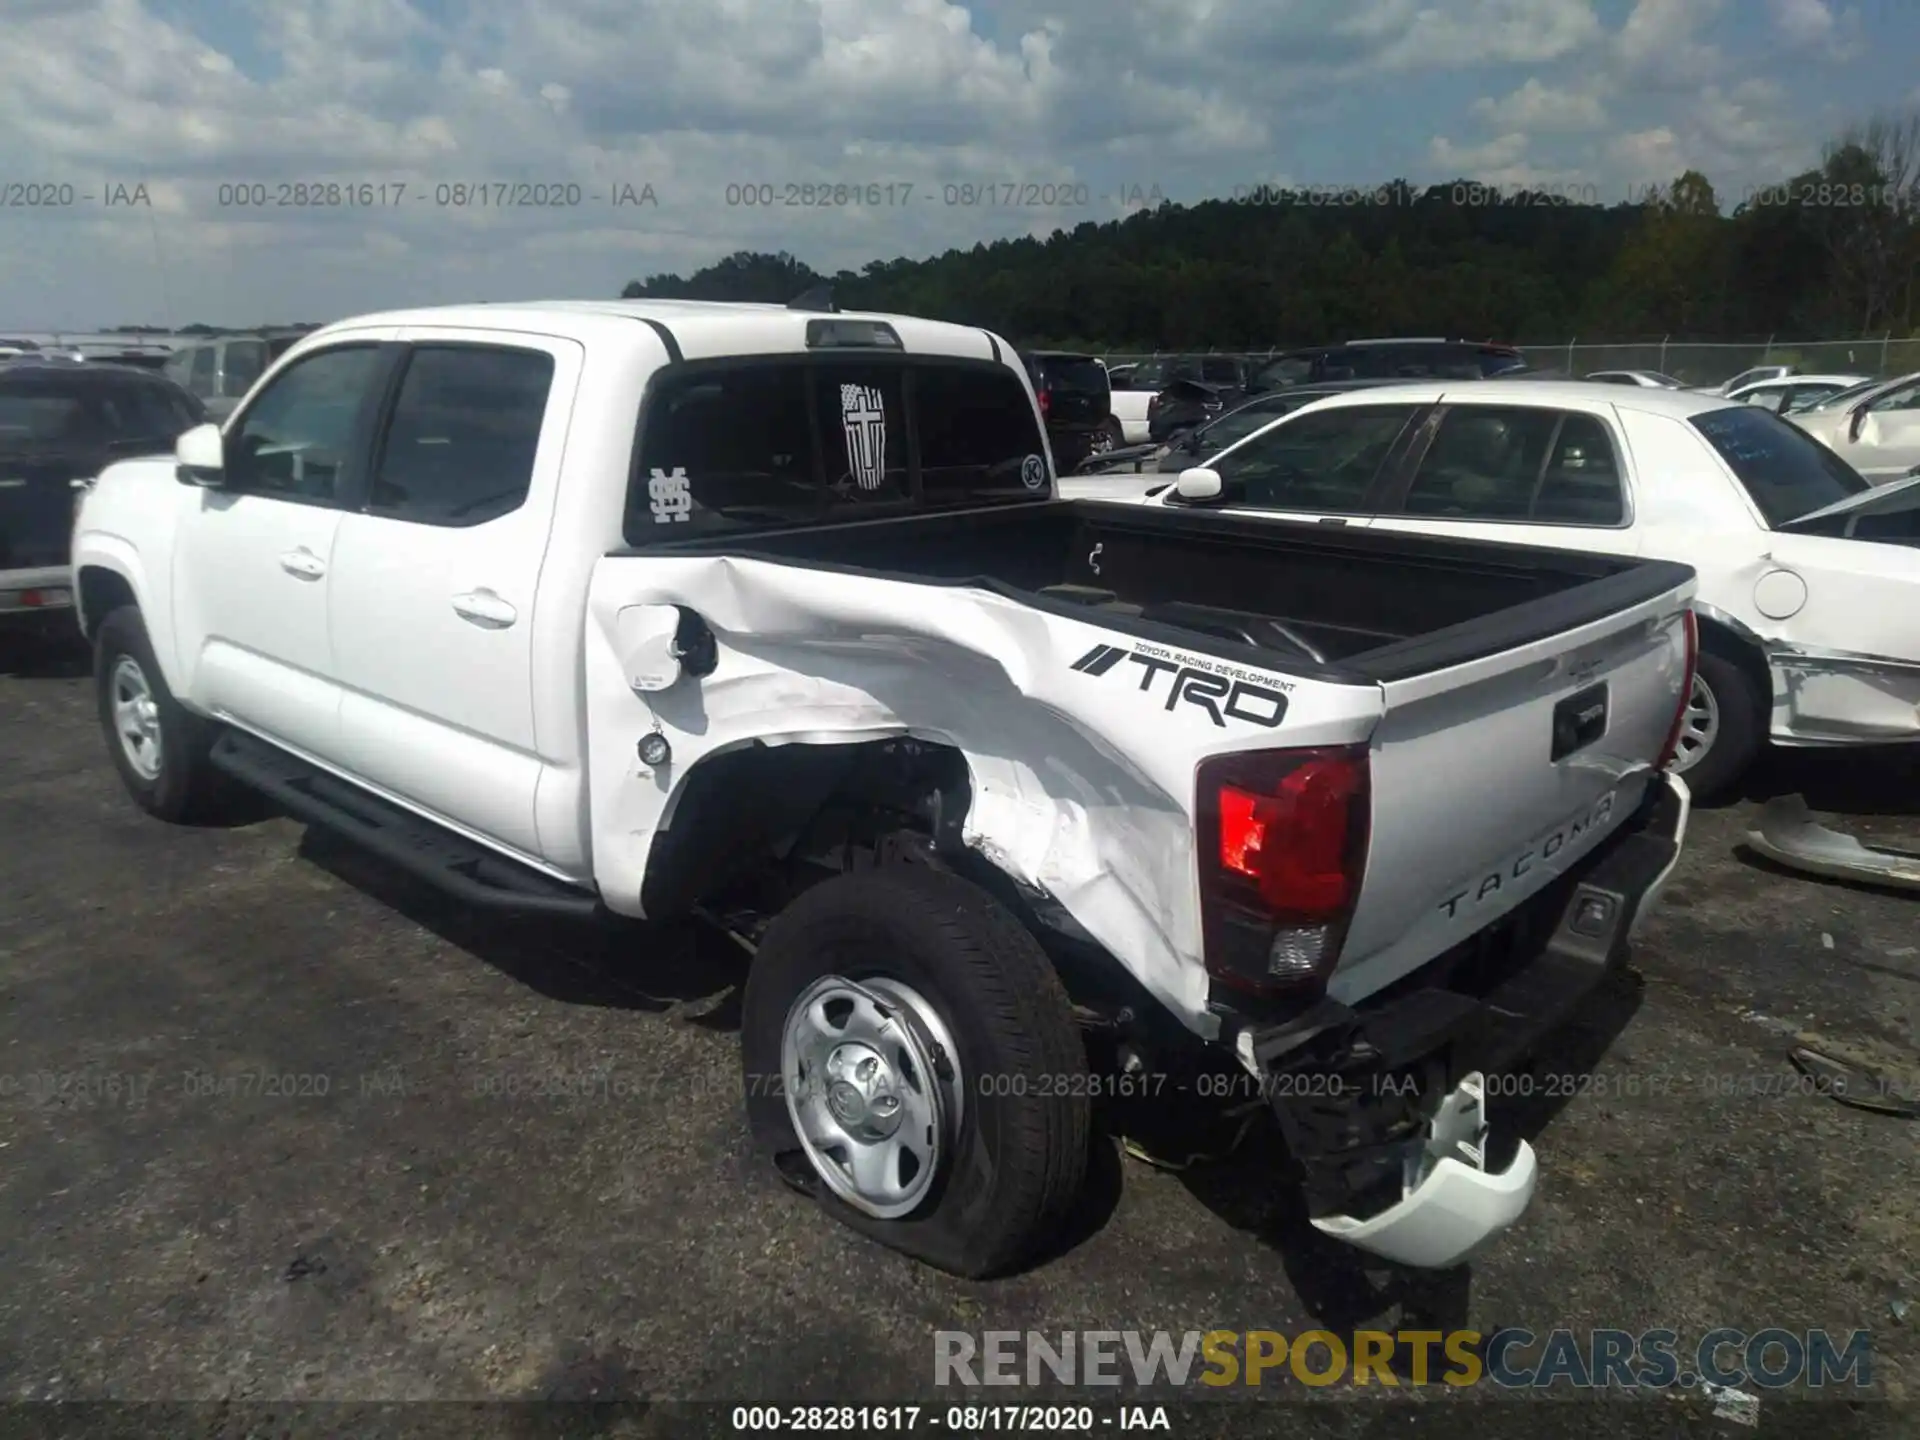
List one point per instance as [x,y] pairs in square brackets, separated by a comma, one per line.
[1370,605]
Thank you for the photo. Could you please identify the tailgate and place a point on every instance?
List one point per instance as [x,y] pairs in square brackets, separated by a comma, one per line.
[1491,777]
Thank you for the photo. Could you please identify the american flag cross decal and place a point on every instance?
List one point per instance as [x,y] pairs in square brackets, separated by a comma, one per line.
[865,421]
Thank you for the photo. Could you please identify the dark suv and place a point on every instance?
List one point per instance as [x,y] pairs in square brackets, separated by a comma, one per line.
[60,425]
[1076,402]
[1422,359]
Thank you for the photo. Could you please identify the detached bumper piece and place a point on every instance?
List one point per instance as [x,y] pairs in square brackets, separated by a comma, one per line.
[1383,1105]
[1452,1205]
[1789,835]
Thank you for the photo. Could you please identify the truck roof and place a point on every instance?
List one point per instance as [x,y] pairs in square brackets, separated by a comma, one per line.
[700,328]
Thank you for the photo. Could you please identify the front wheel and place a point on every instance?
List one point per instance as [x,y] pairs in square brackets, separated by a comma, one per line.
[159,747]
[912,1063]
[1721,731]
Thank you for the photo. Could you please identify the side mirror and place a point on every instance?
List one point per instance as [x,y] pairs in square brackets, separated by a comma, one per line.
[1199,483]
[200,457]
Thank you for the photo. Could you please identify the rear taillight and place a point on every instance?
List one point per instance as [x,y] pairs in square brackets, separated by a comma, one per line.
[1692,627]
[1046,403]
[1153,407]
[1283,844]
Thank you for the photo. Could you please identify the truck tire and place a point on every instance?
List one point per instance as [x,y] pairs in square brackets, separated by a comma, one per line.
[860,986]
[159,748]
[1108,437]
[1724,726]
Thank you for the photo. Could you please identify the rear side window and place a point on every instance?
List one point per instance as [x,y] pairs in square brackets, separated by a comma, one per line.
[1483,463]
[200,378]
[460,446]
[246,360]
[39,417]
[760,445]
[725,450]
[1519,464]
[138,411]
[1786,471]
[978,436]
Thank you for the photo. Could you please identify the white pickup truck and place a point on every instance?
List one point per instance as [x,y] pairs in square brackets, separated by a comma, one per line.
[771,615]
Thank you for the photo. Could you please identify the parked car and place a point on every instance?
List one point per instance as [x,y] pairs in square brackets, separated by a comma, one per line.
[1809,580]
[218,372]
[1133,470]
[1645,379]
[1205,390]
[817,653]
[1746,378]
[1846,397]
[1877,433]
[1795,393]
[1075,401]
[60,424]
[1391,360]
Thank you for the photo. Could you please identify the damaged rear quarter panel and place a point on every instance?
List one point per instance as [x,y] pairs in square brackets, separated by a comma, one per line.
[1846,667]
[1083,779]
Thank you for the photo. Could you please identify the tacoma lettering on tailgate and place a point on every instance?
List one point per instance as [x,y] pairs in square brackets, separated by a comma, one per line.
[1544,849]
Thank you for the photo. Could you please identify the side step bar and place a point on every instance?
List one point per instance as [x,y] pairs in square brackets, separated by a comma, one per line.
[467,871]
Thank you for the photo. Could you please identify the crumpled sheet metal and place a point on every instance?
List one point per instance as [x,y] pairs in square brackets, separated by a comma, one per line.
[1083,788]
[1788,834]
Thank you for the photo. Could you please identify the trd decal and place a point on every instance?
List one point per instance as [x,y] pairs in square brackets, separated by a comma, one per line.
[1221,696]
[1100,659]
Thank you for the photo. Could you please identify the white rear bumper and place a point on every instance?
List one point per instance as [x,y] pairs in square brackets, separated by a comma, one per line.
[1456,1205]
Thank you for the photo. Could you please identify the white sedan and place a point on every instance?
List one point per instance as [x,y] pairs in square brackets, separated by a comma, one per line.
[1794,393]
[1878,432]
[1809,577]
[1645,379]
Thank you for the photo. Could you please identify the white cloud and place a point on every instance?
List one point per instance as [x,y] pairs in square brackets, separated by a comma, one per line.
[1542,108]
[692,97]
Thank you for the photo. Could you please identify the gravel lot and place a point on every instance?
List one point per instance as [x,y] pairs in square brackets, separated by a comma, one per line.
[391,1226]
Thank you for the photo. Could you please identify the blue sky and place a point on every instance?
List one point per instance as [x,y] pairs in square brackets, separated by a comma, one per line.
[711,102]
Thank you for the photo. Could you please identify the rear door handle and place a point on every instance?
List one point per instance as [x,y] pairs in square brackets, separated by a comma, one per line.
[303,563]
[485,608]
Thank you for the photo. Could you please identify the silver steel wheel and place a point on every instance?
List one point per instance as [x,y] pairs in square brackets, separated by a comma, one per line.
[874,1109]
[1699,727]
[136,717]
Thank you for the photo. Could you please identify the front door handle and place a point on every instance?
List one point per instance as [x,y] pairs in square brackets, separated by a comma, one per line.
[485,608]
[303,563]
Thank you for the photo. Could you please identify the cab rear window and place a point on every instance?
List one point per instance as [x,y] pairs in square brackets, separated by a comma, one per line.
[762,444]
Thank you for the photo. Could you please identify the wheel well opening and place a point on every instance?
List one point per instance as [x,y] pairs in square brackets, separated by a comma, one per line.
[1717,639]
[101,592]
[760,823]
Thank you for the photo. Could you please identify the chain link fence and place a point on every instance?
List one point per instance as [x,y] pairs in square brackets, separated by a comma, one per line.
[1690,362]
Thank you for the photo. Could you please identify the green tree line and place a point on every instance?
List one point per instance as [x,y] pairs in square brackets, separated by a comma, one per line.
[1832,252]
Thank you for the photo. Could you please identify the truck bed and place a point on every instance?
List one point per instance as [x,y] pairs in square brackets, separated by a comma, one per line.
[1358,605]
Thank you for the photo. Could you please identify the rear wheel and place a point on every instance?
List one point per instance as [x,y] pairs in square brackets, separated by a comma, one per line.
[159,748]
[912,1063]
[1721,731]
[1107,437]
